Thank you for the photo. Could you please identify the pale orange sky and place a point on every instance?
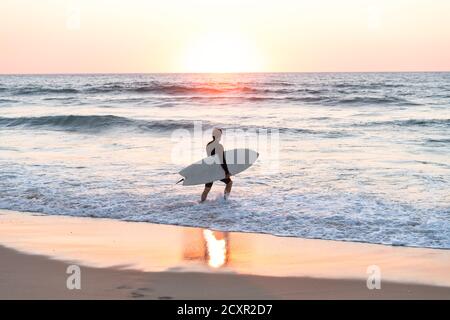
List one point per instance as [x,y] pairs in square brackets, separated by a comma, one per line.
[90,36]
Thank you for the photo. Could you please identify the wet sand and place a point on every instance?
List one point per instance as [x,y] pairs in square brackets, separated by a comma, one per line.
[126,260]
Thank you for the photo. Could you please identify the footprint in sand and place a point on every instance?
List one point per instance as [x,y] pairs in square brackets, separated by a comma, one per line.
[124,287]
[137,295]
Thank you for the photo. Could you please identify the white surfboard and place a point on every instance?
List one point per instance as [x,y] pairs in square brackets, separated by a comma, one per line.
[209,169]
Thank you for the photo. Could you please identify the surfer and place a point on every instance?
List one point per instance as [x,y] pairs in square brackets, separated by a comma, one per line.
[214,147]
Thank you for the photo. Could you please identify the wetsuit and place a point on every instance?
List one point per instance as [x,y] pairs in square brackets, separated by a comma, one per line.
[212,151]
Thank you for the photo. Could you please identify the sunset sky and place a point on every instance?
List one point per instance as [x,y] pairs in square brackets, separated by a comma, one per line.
[90,36]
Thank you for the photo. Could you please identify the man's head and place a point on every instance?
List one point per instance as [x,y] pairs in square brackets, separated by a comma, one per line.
[217,134]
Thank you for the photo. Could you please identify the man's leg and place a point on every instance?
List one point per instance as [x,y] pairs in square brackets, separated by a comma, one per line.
[227,191]
[206,191]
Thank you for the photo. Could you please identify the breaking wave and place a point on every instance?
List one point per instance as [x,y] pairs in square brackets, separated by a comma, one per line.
[93,123]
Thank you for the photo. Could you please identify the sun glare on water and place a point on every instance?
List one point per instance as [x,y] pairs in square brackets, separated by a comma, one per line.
[222,53]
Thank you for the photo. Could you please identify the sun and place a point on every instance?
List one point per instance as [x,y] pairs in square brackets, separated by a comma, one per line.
[221,53]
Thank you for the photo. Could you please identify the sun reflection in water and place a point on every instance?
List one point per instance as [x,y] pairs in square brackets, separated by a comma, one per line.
[216,249]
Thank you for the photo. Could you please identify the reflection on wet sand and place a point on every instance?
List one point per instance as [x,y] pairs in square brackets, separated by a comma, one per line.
[160,248]
[217,248]
[208,246]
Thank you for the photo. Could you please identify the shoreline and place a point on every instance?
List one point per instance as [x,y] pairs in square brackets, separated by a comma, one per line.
[132,260]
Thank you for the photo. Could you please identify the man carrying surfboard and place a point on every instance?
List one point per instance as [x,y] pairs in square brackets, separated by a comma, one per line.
[214,147]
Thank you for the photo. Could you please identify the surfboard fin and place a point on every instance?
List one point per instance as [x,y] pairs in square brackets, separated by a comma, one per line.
[182,179]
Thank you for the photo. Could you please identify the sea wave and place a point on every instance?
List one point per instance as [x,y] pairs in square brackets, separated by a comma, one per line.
[367,100]
[309,99]
[7,100]
[438,141]
[38,90]
[322,133]
[408,123]
[138,87]
[326,95]
[371,85]
[93,123]
[186,89]
[97,123]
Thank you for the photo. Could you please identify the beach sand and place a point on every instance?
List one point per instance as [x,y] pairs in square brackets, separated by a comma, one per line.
[128,260]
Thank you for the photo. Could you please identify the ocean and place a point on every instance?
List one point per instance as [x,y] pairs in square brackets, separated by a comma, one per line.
[353,156]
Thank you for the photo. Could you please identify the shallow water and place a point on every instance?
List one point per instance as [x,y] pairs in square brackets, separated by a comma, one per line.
[360,157]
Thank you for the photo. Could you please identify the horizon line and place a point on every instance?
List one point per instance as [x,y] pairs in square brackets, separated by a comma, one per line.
[218,73]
